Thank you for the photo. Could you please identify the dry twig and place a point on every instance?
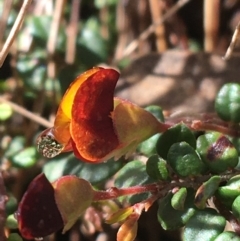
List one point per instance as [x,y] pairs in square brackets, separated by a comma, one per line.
[145,34]
[3,21]
[13,33]
[211,24]
[53,34]
[54,28]
[157,12]
[72,31]
[235,38]
[34,117]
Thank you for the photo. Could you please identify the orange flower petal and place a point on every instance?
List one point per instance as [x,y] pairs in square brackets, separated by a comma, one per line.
[57,139]
[68,98]
[91,126]
[64,113]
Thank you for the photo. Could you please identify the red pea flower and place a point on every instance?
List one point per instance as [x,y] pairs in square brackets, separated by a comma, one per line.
[95,125]
[45,208]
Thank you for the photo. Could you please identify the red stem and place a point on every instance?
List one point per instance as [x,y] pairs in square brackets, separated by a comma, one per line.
[206,122]
[231,131]
[159,188]
[115,192]
[164,126]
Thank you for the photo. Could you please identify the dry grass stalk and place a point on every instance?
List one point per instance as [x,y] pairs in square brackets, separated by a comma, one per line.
[157,13]
[7,5]
[26,113]
[145,34]
[211,24]
[72,32]
[234,42]
[13,33]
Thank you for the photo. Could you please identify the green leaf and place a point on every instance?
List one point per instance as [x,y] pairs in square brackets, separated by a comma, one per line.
[227,103]
[32,69]
[19,155]
[54,168]
[102,3]
[39,28]
[123,63]
[179,198]
[35,78]
[14,237]
[27,63]
[156,168]
[6,111]
[156,111]
[120,215]
[170,218]
[69,165]
[206,190]
[91,44]
[184,160]
[25,158]
[227,194]
[236,142]
[227,235]
[11,18]
[236,207]
[16,145]
[204,225]
[132,174]
[177,133]
[11,205]
[53,85]
[148,147]
[11,222]
[217,152]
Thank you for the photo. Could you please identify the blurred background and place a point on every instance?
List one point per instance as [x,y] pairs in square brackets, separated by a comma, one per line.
[169,53]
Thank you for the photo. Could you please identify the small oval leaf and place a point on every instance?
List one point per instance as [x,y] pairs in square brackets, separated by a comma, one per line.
[156,111]
[217,152]
[14,237]
[179,198]
[204,225]
[120,215]
[236,207]
[227,235]
[156,168]
[6,111]
[177,133]
[184,160]
[227,103]
[230,191]
[206,190]
[132,174]
[170,218]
